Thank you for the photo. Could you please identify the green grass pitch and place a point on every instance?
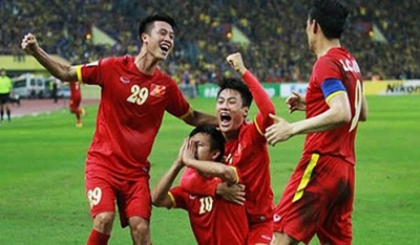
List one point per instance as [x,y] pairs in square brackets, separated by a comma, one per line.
[42,198]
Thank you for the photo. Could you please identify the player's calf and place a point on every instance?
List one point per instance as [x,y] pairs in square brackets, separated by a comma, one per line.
[140,232]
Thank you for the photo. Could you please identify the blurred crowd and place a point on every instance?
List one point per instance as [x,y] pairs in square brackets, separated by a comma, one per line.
[277,50]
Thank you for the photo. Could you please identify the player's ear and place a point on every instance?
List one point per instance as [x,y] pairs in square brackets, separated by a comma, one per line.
[215,154]
[315,27]
[246,111]
[144,37]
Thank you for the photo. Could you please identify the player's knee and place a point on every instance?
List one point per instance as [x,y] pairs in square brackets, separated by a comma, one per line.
[140,230]
[103,222]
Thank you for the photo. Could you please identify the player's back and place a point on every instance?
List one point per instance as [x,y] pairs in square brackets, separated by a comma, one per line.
[249,154]
[339,64]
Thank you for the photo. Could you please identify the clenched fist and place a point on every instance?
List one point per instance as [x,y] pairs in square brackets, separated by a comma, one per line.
[236,62]
[29,44]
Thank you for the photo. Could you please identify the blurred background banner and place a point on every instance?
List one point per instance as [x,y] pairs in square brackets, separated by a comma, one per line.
[392,87]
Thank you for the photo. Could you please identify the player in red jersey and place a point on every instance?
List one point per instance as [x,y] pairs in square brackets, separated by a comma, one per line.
[74,103]
[214,221]
[319,196]
[246,148]
[135,95]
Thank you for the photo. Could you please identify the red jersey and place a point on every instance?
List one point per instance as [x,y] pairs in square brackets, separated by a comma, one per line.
[75,90]
[130,114]
[213,221]
[338,64]
[249,154]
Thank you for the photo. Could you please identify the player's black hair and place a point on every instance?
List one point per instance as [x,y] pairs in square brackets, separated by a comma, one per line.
[147,24]
[238,85]
[217,141]
[331,15]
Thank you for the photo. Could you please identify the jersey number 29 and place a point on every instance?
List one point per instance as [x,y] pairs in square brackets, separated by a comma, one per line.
[138,95]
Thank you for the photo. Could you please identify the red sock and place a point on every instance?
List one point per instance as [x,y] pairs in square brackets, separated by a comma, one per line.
[97,238]
[78,116]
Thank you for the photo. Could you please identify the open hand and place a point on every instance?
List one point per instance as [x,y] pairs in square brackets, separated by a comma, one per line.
[279,131]
[295,102]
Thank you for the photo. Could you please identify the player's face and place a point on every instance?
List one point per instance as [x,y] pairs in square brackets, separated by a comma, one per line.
[230,111]
[3,73]
[203,150]
[310,33]
[160,41]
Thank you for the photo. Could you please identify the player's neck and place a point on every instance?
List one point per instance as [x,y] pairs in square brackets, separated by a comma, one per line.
[326,45]
[145,62]
[229,136]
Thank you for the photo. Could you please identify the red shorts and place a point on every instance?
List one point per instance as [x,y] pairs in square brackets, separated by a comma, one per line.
[74,103]
[261,233]
[133,197]
[318,199]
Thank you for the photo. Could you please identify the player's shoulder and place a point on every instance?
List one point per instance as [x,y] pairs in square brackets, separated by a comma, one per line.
[116,61]
[163,77]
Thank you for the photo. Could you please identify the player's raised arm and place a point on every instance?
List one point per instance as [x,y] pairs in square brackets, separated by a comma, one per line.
[226,173]
[59,70]
[262,100]
[196,118]
[160,196]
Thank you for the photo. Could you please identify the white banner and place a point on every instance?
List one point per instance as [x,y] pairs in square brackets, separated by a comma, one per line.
[286,89]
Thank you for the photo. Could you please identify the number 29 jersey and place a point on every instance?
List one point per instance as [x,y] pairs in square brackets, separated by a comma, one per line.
[338,64]
[130,114]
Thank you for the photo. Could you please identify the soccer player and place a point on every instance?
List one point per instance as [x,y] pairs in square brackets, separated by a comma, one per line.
[214,221]
[5,89]
[135,94]
[74,103]
[318,198]
[246,148]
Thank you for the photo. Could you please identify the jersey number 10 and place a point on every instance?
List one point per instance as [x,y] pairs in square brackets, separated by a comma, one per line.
[206,205]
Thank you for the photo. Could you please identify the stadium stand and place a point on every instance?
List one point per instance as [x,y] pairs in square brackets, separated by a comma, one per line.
[277,50]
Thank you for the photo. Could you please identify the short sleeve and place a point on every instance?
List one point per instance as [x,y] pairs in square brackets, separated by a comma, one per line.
[178,105]
[177,196]
[326,69]
[93,73]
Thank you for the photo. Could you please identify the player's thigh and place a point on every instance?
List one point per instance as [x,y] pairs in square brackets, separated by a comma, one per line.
[310,195]
[337,227]
[100,194]
[134,200]
[260,233]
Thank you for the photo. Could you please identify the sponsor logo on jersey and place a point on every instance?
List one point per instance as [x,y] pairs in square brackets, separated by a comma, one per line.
[124,80]
[276,218]
[192,197]
[266,237]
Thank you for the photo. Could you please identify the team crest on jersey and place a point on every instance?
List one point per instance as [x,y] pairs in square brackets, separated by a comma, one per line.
[157,90]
